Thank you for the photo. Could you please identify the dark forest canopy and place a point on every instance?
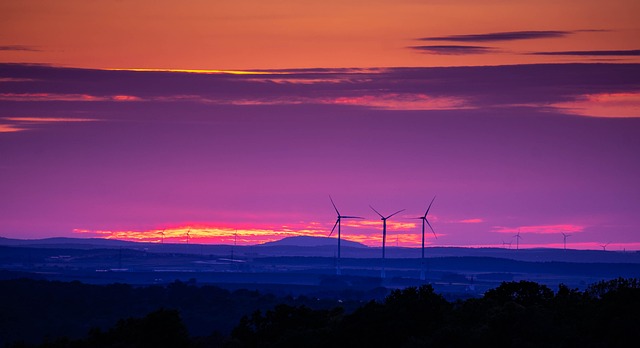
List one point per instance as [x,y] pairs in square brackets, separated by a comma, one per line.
[515,314]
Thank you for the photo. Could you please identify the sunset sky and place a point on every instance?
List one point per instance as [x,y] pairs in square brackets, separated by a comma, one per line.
[122,119]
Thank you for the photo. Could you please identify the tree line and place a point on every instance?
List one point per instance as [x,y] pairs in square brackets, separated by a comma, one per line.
[515,314]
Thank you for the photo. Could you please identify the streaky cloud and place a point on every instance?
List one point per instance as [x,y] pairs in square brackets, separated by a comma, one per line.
[541,229]
[613,105]
[19,48]
[501,36]
[453,49]
[10,128]
[624,53]
[48,119]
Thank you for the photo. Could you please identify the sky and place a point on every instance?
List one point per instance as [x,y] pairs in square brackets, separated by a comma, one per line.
[138,119]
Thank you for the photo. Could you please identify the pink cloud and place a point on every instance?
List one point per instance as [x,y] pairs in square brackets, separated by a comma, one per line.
[23,97]
[48,119]
[540,229]
[10,128]
[405,101]
[471,221]
[388,101]
[391,225]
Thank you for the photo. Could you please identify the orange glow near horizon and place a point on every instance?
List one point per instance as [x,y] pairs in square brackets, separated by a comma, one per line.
[206,233]
[253,34]
[226,235]
[198,71]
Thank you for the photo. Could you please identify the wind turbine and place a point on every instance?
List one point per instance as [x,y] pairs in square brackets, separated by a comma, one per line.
[517,236]
[235,242]
[424,220]
[340,217]
[188,235]
[162,236]
[604,246]
[384,235]
[564,237]
[505,243]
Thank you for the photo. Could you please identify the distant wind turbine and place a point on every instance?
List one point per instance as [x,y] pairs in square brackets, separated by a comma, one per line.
[384,235]
[424,220]
[235,242]
[188,235]
[162,236]
[564,238]
[338,223]
[505,243]
[604,246]
[517,236]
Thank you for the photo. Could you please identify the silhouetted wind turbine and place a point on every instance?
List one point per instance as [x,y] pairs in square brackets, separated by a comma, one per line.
[188,235]
[384,235]
[604,246]
[162,236]
[424,220]
[517,236]
[340,217]
[235,242]
[564,238]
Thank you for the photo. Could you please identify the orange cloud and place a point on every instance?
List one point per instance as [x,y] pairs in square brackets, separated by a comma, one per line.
[221,233]
[618,105]
[201,71]
[206,233]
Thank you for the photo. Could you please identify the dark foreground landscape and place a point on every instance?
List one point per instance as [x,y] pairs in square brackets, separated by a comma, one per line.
[109,293]
[515,314]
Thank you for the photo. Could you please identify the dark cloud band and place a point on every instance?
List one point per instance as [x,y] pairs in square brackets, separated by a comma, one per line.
[501,36]
[453,49]
[18,48]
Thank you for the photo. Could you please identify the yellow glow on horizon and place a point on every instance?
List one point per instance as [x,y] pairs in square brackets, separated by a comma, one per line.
[199,71]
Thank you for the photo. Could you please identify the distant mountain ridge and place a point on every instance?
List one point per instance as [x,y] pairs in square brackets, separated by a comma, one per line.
[326,247]
[308,241]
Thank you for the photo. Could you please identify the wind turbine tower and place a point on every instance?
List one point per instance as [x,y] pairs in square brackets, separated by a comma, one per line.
[338,223]
[424,220]
[517,236]
[384,236]
[564,238]
[162,236]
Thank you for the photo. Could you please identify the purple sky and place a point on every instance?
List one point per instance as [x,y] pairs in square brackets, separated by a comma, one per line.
[126,154]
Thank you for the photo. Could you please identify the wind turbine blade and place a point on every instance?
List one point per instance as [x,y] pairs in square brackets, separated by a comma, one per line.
[396,213]
[434,232]
[334,227]
[429,208]
[334,205]
[351,217]
[374,209]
